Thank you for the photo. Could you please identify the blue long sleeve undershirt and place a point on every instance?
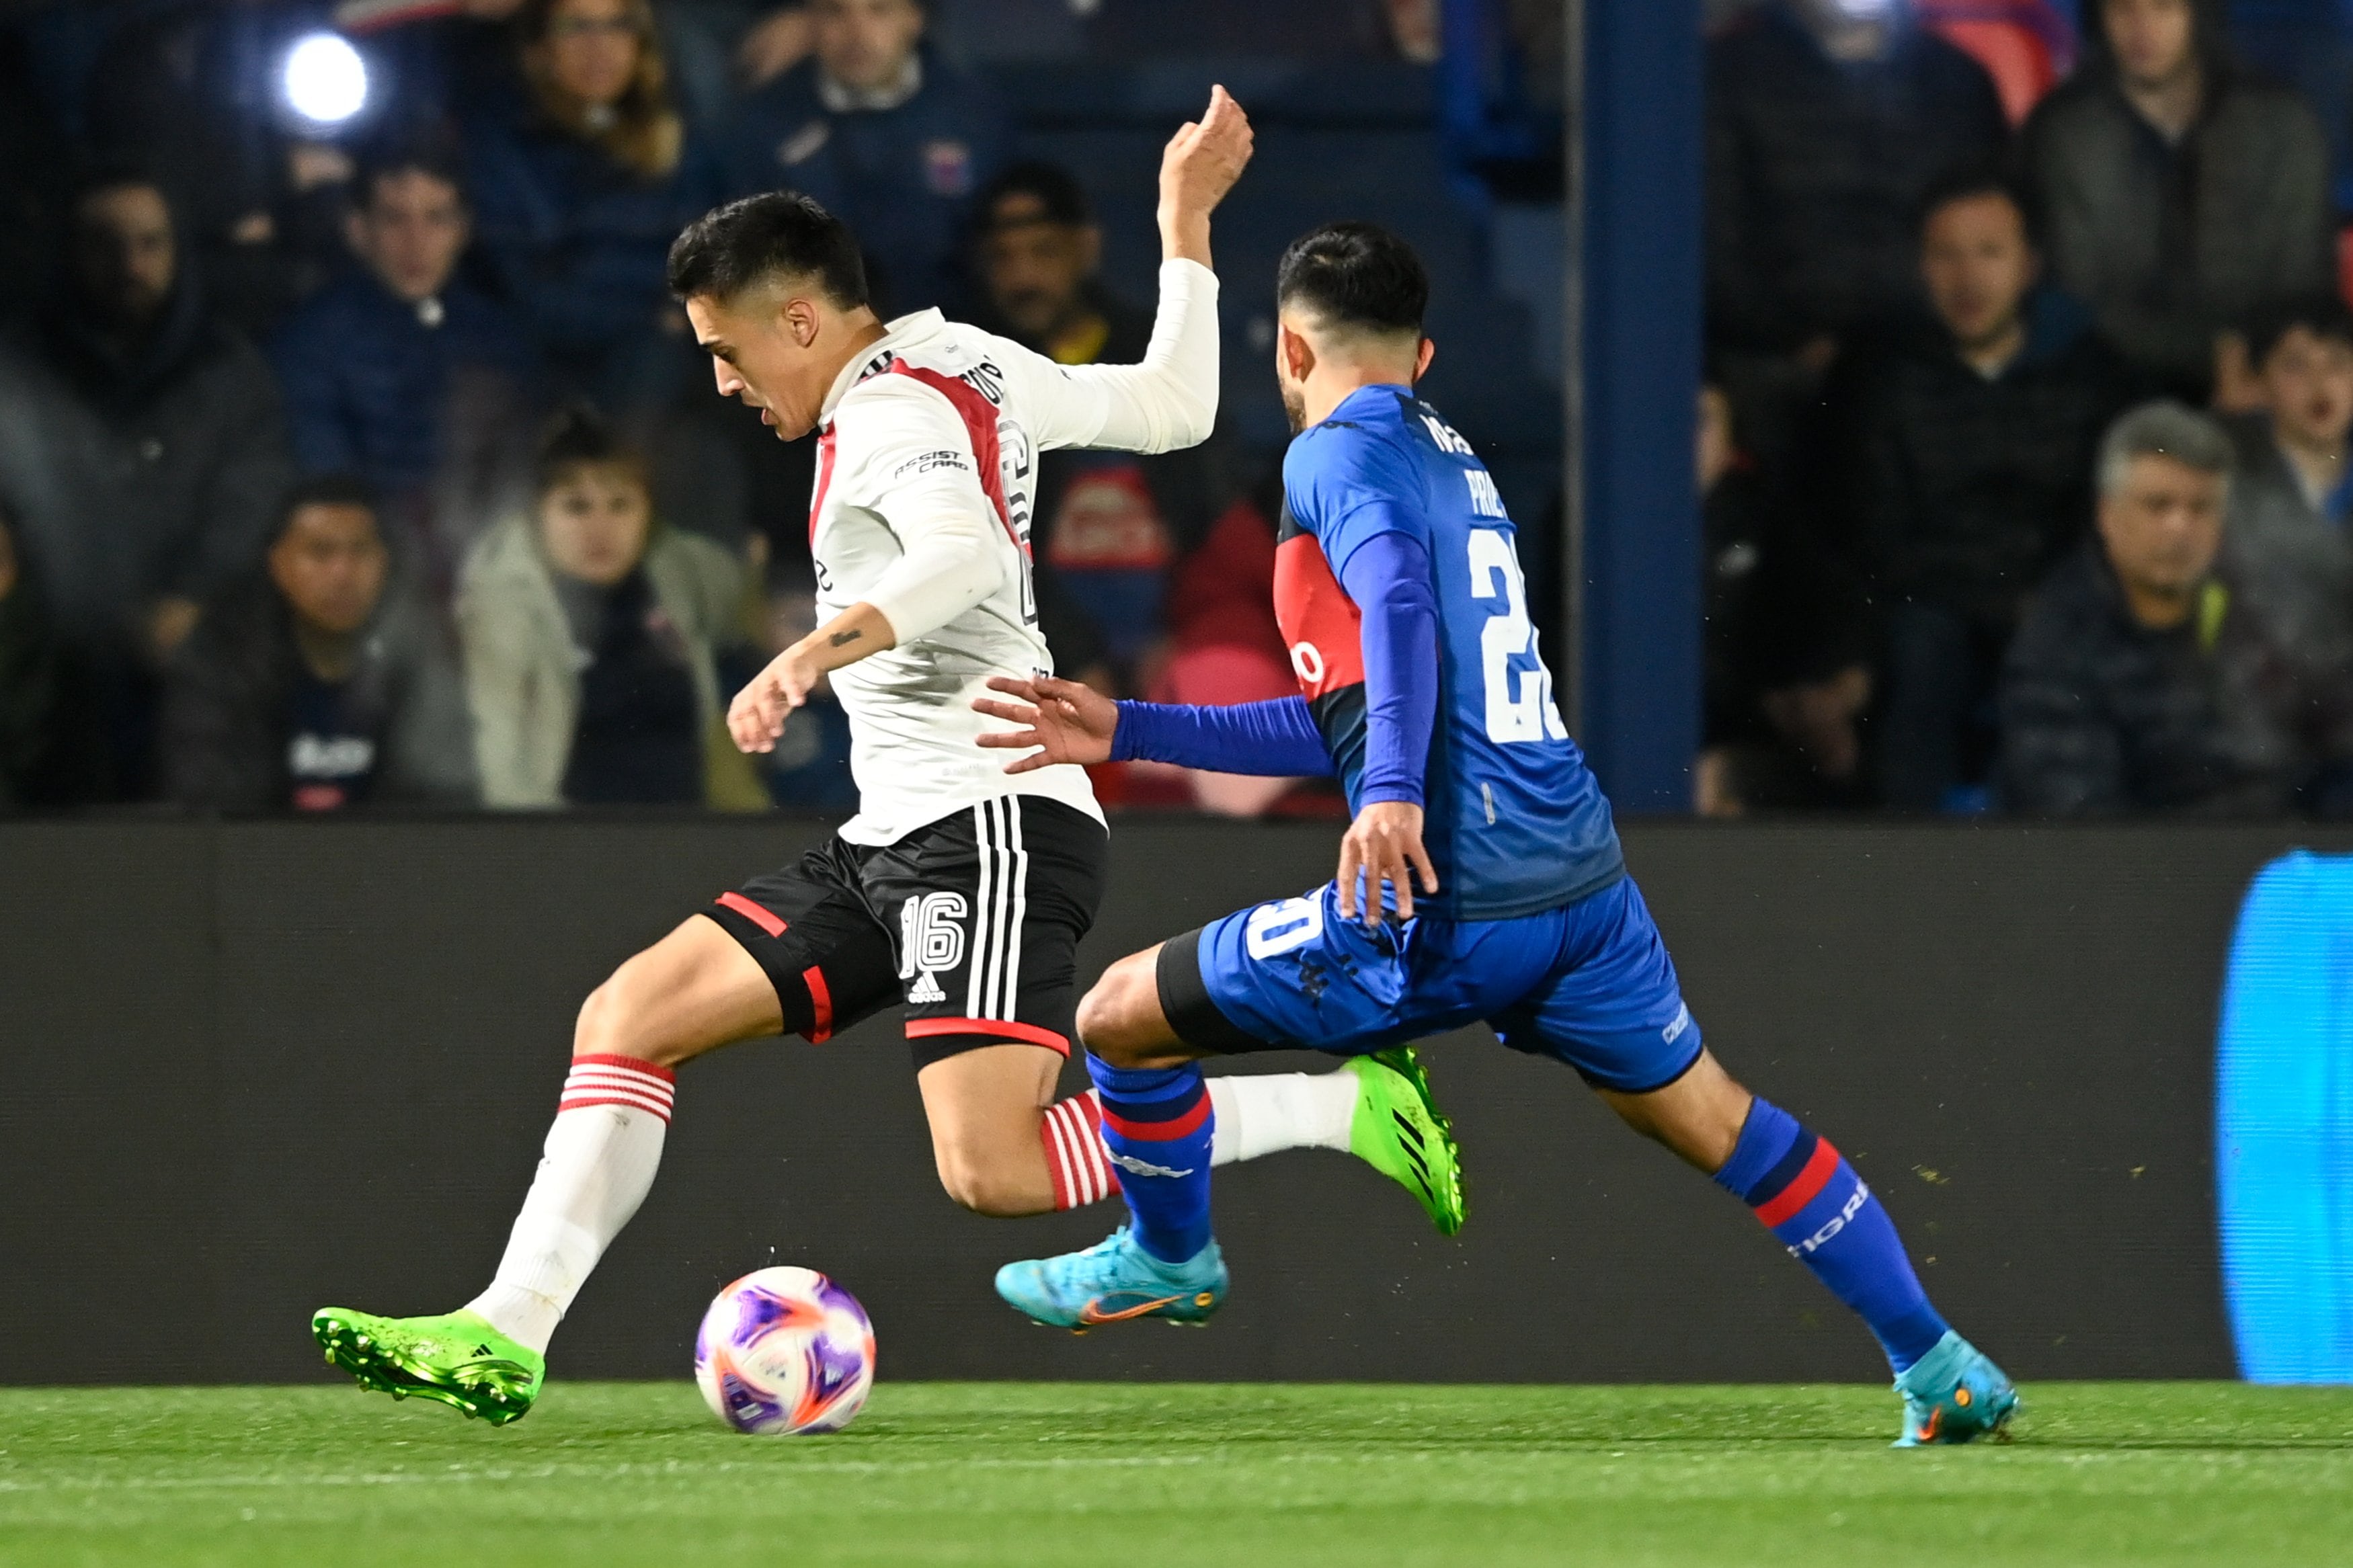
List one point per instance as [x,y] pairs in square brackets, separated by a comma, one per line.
[1390,573]
[1277,738]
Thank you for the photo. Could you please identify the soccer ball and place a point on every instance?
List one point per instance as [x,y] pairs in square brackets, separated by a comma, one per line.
[784,1351]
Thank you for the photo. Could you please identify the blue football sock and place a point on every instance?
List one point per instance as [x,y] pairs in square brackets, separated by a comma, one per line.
[1156,1122]
[1811,1200]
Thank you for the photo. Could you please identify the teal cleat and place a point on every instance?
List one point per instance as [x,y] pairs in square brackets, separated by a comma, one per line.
[1954,1393]
[1114,1281]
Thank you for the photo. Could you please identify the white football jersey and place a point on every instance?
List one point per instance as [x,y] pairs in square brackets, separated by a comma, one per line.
[927,461]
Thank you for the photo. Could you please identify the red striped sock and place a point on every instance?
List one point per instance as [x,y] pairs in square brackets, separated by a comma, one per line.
[1075,1156]
[618,1081]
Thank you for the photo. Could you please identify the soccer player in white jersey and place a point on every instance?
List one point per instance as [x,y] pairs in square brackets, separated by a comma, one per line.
[957,892]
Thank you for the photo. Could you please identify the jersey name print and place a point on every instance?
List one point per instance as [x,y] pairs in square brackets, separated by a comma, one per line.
[1513,820]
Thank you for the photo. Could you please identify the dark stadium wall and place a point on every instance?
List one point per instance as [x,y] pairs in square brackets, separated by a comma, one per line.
[254,1069]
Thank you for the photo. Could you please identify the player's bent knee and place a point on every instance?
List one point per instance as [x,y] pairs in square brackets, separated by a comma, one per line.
[1114,1014]
[985,1190]
[617,1019]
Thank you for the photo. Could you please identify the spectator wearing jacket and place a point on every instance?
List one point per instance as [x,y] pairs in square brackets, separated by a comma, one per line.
[589,634]
[142,448]
[309,687]
[2287,546]
[2180,195]
[1953,470]
[2141,680]
[401,372]
[1825,127]
[886,134]
[578,188]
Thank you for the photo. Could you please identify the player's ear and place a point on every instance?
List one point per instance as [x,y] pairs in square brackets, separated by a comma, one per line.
[1421,358]
[801,320]
[1294,356]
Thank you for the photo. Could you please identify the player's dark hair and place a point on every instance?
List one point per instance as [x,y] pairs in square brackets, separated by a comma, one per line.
[2322,314]
[779,234]
[321,489]
[1060,196]
[1354,275]
[577,436]
[1970,181]
[429,153]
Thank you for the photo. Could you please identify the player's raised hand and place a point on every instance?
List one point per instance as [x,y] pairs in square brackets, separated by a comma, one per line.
[757,715]
[1384,845]
[1199,165]
[1061,721]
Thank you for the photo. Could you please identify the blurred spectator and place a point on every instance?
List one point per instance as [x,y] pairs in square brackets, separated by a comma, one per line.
[589,631]
[142,448]
[2178,194]
[808,771]
[1109,526]
[430,60]
[578,191]
[1953,470]
[28,684]
[401,372]
[2139,682]
[1144,29]
[883,131]
[190,92]
[309,687]
[1753,750]
[2287,547]
[1826,124]
[2025,46]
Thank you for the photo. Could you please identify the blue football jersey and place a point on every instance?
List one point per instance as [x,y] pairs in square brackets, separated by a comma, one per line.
[1513,819]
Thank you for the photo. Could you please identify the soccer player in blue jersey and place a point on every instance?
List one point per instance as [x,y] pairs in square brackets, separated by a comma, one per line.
[1481,877]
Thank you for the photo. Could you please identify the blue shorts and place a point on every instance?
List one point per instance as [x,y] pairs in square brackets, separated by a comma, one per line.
[1589,983]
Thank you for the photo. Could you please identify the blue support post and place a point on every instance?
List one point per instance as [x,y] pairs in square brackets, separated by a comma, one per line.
[1635,172]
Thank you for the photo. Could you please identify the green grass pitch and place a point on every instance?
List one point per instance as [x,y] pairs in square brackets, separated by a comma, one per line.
[1039,1475]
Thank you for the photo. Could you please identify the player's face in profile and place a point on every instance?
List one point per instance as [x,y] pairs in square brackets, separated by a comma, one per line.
[592,522]
[330,563]
[763,350]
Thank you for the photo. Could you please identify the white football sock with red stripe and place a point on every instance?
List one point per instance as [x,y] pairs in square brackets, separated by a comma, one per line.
[1259,1114]
[595,1169]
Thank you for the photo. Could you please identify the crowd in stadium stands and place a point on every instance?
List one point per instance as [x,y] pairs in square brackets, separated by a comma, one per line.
[2023,452]
[375,467]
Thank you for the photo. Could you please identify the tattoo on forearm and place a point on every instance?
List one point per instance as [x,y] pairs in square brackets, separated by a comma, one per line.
[843,639]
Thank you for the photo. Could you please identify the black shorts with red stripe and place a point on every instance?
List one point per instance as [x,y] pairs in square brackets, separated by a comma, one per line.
[972,923]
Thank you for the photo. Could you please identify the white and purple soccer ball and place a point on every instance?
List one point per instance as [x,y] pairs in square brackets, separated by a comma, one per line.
[784,1352]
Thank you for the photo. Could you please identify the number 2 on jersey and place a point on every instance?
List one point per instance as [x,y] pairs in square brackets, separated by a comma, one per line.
[1519,702]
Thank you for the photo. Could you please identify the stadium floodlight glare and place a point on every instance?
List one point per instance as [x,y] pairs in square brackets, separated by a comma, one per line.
[325,81]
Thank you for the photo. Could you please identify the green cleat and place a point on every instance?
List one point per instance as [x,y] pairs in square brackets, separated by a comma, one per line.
[1398,1131]
[459,1359]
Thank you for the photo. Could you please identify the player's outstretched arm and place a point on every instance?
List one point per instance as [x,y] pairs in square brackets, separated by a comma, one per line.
[1197,167]
[757,715]
[1169,399]
[1061,721]
[1069,724]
